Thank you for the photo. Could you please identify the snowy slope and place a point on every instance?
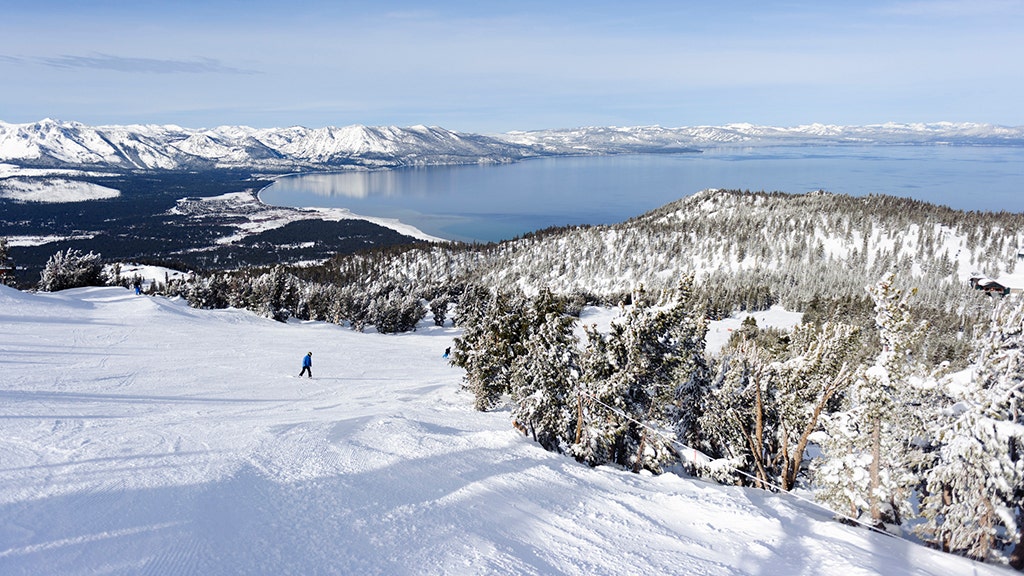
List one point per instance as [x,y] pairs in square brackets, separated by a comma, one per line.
[139,436]
[53,190]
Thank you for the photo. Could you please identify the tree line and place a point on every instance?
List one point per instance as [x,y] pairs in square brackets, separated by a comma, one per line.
[896,447]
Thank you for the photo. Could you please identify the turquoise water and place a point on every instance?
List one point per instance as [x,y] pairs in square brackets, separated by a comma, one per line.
[495,202]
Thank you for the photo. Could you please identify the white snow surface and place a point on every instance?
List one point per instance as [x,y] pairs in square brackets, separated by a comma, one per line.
[141,436]
[54,190]
[11,170]
[40,240]
[720,331]
[148,273]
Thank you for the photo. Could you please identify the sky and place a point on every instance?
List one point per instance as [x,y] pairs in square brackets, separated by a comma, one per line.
[491,67]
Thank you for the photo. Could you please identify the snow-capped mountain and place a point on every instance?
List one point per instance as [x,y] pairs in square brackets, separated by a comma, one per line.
[51,143]
[604,140]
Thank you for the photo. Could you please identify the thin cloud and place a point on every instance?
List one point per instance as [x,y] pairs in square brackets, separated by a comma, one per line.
[958,8]
[137,65]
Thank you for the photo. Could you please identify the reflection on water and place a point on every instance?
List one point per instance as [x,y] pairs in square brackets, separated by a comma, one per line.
[354,185]
[494,202]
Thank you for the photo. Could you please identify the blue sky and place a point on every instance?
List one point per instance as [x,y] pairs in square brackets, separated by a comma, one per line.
[498,66]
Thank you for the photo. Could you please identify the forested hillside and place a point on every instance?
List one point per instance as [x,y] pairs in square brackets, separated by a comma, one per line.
[746,250]
[814,253]
[763,246]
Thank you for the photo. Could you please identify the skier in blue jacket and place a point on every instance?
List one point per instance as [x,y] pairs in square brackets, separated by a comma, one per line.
[307,365]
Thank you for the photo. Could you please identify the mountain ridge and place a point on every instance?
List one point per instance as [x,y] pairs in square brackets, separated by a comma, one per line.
[610,139]
[53,143]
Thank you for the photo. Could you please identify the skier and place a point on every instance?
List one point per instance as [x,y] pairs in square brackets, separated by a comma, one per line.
[447,351]
[307,365]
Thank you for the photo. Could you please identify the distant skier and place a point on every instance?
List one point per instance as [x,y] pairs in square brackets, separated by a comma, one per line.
[447,352]
[307,365]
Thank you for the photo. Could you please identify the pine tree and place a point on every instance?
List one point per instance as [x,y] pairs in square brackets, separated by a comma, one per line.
[72,269]
[544,380]
[641,379]
[6,278]
[738,415]
[820,369]
[975,493]
[490,343]
[761,412]
[439,308]
[884,419]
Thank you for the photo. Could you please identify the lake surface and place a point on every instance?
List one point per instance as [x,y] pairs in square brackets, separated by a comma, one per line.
[496,202]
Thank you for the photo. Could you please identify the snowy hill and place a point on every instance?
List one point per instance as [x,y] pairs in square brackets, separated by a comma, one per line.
[140,436]
[57,144]
[746,246]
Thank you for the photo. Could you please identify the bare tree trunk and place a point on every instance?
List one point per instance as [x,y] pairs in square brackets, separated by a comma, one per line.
[758,448]
[792,468]
[762,474]
[579,418]
[986,522]
[791,463]
[876,457]
[640,451]
[1017,555]
[947,500]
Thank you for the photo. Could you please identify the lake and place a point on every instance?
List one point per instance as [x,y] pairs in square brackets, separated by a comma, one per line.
[496,202]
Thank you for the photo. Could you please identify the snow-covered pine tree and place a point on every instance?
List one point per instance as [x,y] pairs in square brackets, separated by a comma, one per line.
[738,414]
[6,277]
[974,503]
[489,345]
[544,379]
[207,292]
[472,305]
[761,413]
[598,428]
[274,294]
[72,269]
[395,310]
[439,309]
[885,417]
[686,332]
[820,368]
[642,377]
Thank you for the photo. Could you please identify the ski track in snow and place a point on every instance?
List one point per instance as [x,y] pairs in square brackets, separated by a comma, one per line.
[140,436]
